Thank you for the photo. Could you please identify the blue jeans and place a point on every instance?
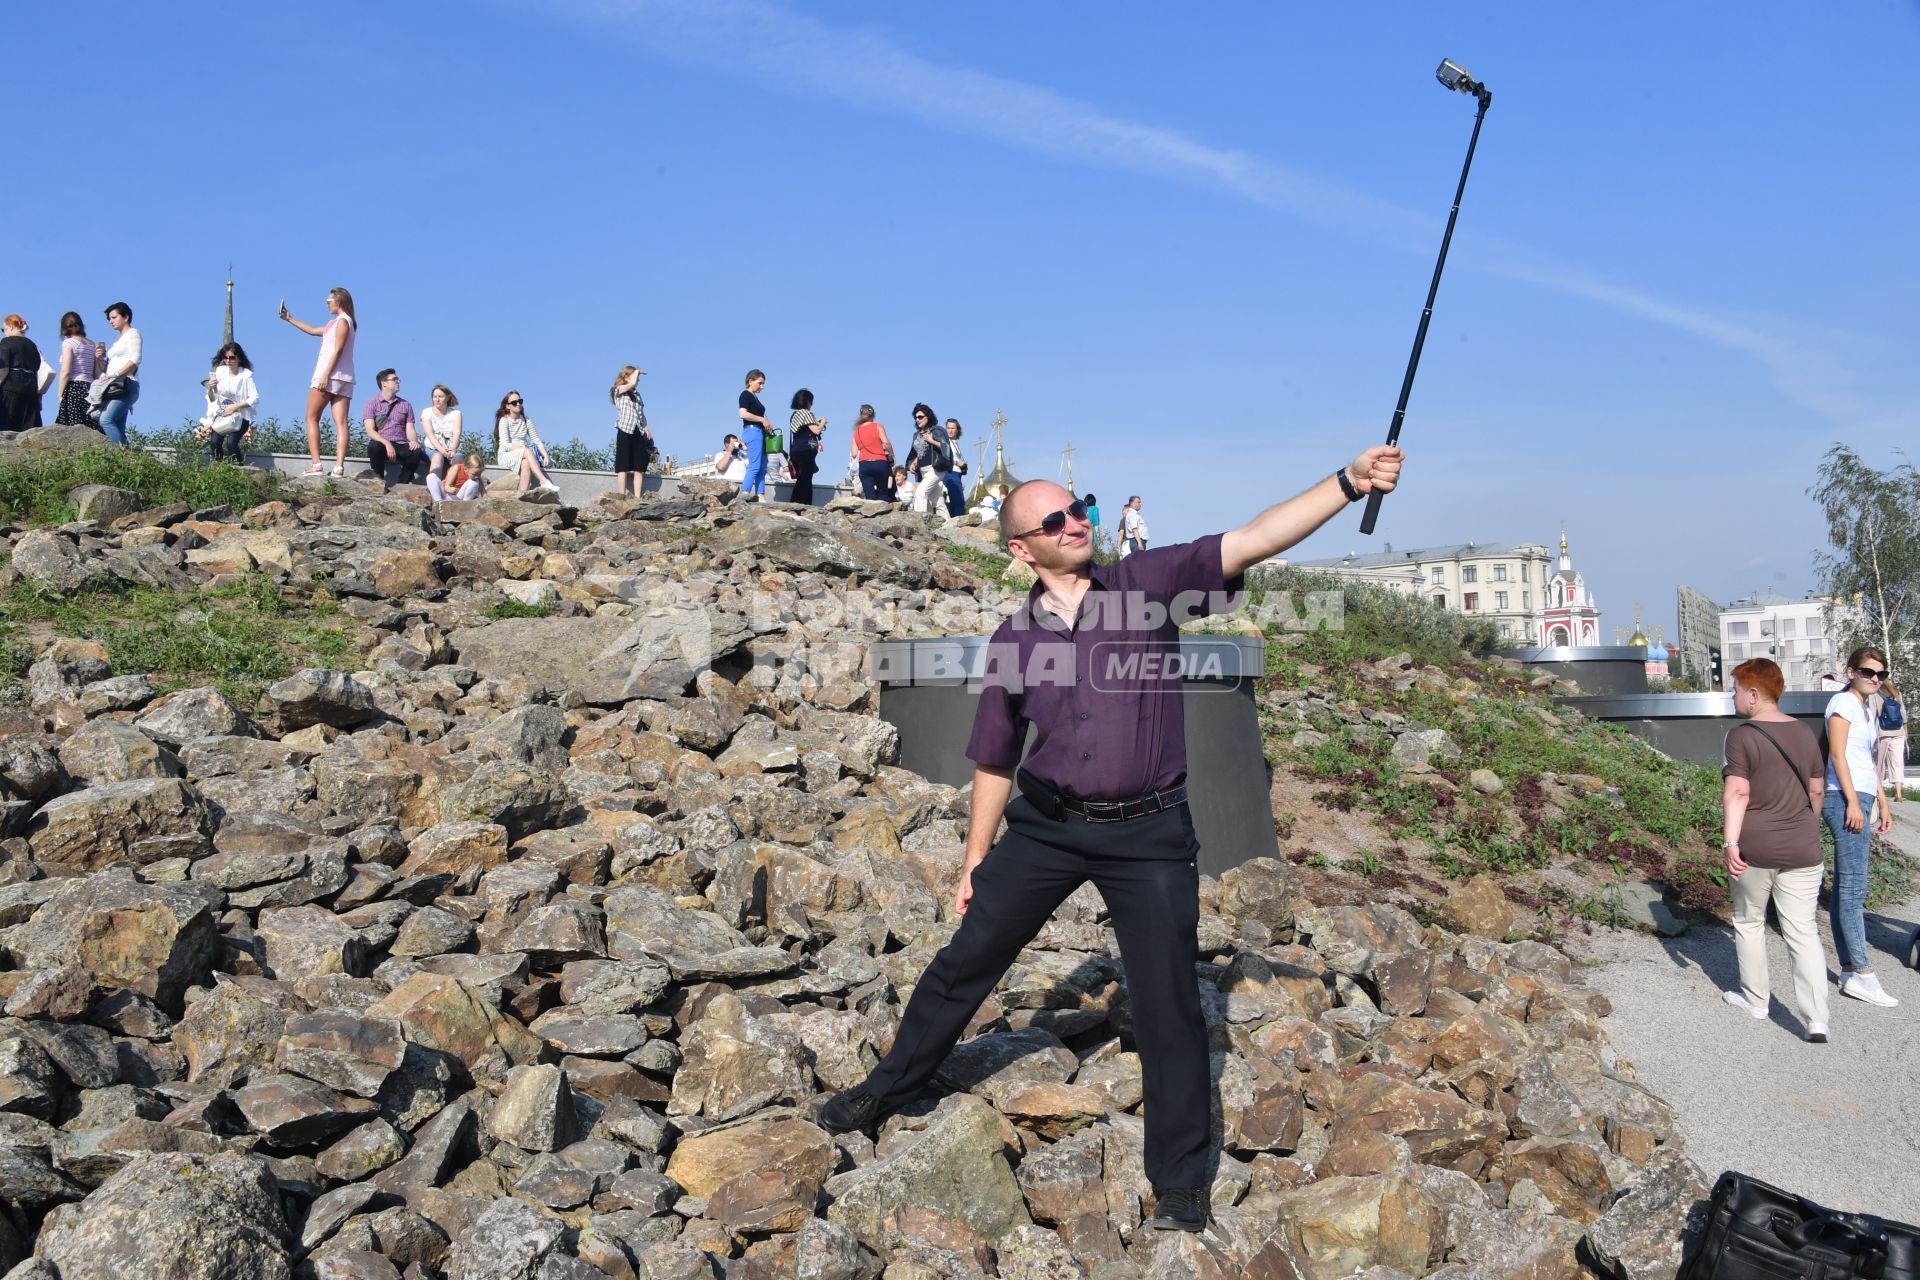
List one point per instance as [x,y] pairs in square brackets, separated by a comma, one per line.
[873,478]
[113,414]
[956,494]
[1847,907]
[756,479]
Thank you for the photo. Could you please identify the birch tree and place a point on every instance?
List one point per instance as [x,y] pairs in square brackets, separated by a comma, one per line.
[1870,572]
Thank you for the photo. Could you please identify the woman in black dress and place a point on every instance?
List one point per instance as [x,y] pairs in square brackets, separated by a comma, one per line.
[19,377]
[803,445]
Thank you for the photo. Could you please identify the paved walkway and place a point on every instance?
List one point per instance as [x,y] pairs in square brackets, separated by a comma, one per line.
[1838,1122]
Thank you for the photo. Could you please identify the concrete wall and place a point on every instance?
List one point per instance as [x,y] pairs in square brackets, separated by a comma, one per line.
[929,689]
[577,488]
[1692,726]
[1598,669]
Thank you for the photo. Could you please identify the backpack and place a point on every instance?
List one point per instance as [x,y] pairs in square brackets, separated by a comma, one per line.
[1892,718]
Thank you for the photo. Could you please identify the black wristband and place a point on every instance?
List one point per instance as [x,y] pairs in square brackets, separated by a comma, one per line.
[1346,486]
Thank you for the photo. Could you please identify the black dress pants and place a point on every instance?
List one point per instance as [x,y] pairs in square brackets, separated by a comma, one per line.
[1145,870]
[392,463]
[805,464]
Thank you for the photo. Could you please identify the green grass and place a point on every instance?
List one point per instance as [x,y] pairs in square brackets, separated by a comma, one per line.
[988,564]
[514,609]
[239,639]
[34,490]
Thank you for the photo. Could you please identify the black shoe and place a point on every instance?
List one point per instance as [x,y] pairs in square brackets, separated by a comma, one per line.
[1180,1209]
[851,1110]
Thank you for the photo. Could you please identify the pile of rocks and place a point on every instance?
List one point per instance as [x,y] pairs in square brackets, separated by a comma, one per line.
[522,951]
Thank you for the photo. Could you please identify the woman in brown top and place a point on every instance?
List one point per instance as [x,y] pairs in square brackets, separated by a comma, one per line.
[1775,781]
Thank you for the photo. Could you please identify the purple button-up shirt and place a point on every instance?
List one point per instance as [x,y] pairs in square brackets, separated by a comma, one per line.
[1103,696]
[394,429]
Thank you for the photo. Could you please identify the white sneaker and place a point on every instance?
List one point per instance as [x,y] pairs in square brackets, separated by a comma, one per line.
[1866,986]
[1738,1000]
[1816,1033]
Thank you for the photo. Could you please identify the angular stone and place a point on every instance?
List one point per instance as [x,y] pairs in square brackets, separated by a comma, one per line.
[703,1162]
[1260,889]
[307,940]
[290,1112]
[314,695]
[103,503]
[606,660]
[456,849]
[735,1064]
[958,1167]
[107,750]
[534,1110]
[362,1153]
[997,1064]
[1643,1235]
[445,1014]
[1343,1225]
[565,929]
[233,1029]
[192,715]
[1439,1127]
[43,556]
[140,821]
[1479,907]
[763,1201]
[431,932]
[508,1241]
[170,1217]
[156,939]
[521,798]
[343,1051]
[29,1082]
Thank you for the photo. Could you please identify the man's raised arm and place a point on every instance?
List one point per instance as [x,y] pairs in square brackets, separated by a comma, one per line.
[1283,524]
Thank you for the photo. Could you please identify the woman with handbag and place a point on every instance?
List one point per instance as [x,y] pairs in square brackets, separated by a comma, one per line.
[79,363]
[632,440]
[332,384]
[20,387]
[1771,797]
[1853,808]
[231,399]
[806,432]
[114,393]
[518,447]
[872,456]
[1892,760]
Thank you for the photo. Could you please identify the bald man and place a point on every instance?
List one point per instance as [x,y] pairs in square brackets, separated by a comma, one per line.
[1085,663]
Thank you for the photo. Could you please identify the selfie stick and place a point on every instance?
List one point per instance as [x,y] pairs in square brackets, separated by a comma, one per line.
[1454,76]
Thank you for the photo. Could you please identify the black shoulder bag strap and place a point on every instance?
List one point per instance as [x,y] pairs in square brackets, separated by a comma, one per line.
[1776,745]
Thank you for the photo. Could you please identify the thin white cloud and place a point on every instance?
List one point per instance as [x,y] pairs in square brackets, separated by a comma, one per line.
[872,72]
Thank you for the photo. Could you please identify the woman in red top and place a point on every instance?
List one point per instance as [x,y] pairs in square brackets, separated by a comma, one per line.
[872,454]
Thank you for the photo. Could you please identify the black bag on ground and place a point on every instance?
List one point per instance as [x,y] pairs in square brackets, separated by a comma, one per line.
[1759,1232]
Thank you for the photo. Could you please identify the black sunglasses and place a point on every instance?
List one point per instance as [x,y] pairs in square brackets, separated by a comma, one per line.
[1872,673]
[513,402]
[1055,522]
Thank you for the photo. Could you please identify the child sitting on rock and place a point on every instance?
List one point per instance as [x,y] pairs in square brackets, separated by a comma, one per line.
[465,479]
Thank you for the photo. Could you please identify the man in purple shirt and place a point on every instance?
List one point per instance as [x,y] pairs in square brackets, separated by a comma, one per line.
[1088,664]
[393,434]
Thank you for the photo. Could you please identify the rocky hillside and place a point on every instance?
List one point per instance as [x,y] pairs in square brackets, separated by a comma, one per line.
[514,938]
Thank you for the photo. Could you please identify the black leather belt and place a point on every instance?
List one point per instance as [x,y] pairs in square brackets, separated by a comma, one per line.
[1057,806]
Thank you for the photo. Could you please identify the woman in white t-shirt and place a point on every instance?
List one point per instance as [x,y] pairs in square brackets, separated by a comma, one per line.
[1853,802]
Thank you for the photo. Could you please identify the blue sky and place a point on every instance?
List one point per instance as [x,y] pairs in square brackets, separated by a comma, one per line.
[1191,241]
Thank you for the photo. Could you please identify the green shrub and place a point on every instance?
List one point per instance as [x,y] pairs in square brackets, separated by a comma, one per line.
[1375,621]
[514,609]
[34,490]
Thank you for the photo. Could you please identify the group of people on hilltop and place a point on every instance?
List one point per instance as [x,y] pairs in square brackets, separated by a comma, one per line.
[95,384]
[1778,789]
[405,446]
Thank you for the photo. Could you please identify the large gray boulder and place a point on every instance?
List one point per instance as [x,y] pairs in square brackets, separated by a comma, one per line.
[958,1167]
[141,820]
[607,660]
[54,562]
[157,939]
[173,1216]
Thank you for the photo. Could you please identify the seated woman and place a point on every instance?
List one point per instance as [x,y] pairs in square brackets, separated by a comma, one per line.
[231,398]
[517,446]
[465,480]
[440,431]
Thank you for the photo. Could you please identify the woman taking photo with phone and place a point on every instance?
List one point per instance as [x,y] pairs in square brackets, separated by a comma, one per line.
[632,440]
[332,385]
[1853,808]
